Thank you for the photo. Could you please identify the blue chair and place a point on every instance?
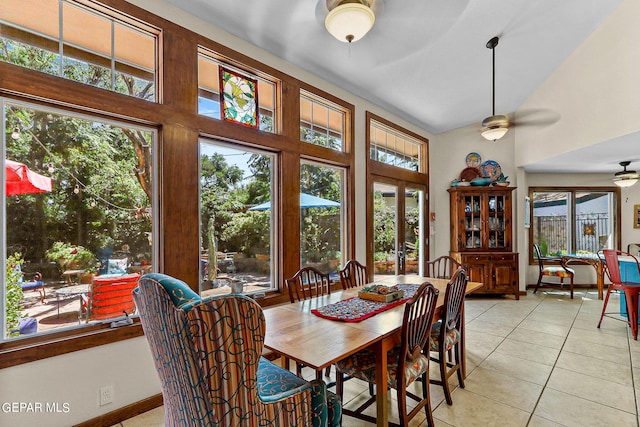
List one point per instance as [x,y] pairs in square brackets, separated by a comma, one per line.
[208,355]
[36,284]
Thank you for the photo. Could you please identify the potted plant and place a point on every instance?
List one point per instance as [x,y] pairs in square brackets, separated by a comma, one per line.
[71,257]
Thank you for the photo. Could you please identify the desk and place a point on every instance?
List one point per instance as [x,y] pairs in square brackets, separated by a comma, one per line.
[294,332]
[71,291]
[592,260]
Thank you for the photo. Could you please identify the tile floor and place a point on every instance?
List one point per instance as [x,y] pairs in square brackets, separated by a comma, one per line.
[536,362]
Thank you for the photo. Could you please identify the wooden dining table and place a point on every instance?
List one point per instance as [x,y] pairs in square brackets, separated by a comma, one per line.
[296,333]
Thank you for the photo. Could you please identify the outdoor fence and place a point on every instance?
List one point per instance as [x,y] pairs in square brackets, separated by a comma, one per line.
[592,232]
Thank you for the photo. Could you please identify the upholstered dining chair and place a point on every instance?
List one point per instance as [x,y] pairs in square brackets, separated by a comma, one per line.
[447,334]
[353,274]
[207,354]
[562,271]
[631,289]
[442,267]
[405,363]
[308,282]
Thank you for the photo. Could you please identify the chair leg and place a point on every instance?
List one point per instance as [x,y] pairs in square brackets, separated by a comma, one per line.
[459,356]
[442,354]
[538,284]
[632,311]
[571,287]
[604,306]
[426,395]
[402,406]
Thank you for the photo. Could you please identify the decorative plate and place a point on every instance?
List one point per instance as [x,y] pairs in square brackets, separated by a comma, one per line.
[468,174]
[491,169]
[473,160]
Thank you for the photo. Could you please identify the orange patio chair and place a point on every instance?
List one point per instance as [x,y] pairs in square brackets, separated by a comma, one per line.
[109,297]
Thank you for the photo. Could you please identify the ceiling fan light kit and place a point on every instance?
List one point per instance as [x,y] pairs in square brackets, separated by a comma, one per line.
[495,126]
[625,178]
[350,20]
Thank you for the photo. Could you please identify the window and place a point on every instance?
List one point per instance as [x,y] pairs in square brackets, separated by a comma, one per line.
[237,218]
[82,211]
[209,100]
[387,145]
[87,45]
[321,216]
[570,220]
[321,122]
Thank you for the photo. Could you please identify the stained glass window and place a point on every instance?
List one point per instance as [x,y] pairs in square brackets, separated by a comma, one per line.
[239,98]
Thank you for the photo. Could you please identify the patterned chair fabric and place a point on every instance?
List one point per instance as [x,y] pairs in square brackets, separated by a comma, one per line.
[446,334]
[562,272]
[405,363]
[207,353]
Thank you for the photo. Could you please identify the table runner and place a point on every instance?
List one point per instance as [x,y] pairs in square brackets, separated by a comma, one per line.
[356,309]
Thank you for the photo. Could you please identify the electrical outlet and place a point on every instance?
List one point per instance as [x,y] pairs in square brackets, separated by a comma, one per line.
[106,395]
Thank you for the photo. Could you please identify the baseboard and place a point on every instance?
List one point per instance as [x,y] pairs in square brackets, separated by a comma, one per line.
[121,414]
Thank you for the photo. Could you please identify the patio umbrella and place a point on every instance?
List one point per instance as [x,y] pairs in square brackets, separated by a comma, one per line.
[306,201]
[21,180]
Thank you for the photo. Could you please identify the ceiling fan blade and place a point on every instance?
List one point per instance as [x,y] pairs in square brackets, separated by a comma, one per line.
[535,117]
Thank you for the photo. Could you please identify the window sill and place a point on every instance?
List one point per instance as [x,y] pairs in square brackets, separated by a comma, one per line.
[27,350]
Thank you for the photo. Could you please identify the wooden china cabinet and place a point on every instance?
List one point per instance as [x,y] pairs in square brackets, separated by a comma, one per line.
[481,237]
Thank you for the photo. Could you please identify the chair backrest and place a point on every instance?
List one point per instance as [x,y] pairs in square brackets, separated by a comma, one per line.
[442,267]
[207,353]
[454,301]
[308,282]
[353,274]
[538,255]
[612,263]
[417,320]
[158,298]
[109,297]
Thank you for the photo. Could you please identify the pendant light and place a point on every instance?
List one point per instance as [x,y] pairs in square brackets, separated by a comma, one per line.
[495,126]
[349,20]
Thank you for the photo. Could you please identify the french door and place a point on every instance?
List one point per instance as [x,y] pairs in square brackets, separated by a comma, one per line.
[397,227]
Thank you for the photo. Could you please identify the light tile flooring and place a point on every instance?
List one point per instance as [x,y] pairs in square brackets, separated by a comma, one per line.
[536,362]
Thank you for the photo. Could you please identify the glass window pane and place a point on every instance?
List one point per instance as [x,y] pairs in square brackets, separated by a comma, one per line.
[98,49]
[321,217]
[83,212]
[209,92]
[389,146]
[321,122]
[594,225]
[236,213]
[551,226]
[385,220]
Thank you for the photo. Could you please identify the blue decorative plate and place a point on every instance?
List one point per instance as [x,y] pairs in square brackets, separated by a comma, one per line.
[473,160]
[491,169]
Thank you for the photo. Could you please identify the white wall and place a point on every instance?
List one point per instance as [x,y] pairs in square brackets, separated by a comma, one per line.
[72,382]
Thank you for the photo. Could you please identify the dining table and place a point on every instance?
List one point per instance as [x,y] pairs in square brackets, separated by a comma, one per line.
[296,333]
[589,259]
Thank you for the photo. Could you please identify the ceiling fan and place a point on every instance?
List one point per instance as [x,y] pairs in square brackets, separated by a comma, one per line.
[625,178]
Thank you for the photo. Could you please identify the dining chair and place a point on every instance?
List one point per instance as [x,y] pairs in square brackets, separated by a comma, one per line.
[353,274]
[207,354]
[447,335]
[308,282]
[563,271]
[631,289]
[442,267]
[406,362]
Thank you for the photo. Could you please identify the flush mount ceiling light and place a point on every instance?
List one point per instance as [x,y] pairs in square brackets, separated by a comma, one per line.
[625,178]
[495,126]
[349,20]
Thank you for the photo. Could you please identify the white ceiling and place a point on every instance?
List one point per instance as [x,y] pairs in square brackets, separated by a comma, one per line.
[426,60]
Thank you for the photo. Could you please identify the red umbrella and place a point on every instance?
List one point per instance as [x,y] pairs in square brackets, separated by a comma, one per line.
[21,180]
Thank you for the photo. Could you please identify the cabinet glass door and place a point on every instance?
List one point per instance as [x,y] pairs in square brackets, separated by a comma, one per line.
[473,221]
[496,221]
